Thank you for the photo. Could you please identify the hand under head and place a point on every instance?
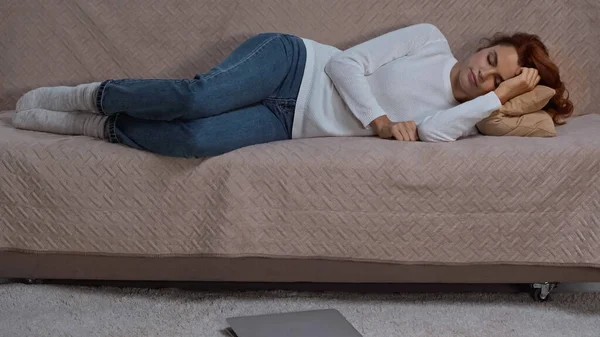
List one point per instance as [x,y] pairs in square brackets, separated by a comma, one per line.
[506,57]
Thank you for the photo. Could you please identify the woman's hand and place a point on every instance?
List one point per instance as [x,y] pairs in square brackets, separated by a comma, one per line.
[525,81]
[386,129]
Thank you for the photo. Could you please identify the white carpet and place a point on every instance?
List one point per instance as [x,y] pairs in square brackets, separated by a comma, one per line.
[52,310]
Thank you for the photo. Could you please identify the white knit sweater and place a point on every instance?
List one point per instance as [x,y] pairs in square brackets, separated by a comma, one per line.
[404,74]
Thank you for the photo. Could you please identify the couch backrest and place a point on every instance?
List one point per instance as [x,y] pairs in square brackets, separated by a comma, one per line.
[51,42]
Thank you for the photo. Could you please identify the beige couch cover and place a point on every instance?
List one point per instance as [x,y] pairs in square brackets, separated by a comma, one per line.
[483,209]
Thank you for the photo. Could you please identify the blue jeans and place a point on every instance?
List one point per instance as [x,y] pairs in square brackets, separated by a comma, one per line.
[247,99]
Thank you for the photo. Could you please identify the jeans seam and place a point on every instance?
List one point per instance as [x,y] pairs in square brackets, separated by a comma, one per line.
[281,100]
[261,46]
[112,125]
[99,96]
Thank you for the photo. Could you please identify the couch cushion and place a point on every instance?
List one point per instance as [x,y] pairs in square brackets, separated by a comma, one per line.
[478,200]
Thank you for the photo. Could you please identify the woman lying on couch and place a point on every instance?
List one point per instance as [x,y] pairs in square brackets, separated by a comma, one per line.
[404,85]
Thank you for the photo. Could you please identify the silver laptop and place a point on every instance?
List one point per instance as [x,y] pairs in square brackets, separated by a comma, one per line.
[315,323]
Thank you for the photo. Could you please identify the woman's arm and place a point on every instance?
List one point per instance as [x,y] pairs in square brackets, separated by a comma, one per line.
[348,69]
[449,125]
[459,121]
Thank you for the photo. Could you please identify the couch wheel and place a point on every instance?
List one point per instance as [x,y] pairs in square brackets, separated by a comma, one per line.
[538,296]
[541,291]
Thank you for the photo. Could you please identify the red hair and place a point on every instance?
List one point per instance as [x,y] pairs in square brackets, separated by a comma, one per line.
[534,54]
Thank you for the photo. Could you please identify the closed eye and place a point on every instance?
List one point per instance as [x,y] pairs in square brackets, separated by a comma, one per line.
[493,61]
[490,60]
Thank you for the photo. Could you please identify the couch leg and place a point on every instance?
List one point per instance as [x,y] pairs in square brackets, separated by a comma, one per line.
[541,291]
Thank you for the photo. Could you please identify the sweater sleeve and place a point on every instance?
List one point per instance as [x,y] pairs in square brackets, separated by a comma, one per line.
[459,121]
[348,69]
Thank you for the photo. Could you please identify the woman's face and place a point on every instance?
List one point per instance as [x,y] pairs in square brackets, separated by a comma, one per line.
[486,69]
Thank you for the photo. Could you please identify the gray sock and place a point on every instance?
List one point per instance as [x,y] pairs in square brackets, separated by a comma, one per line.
[78,98]
[61,122]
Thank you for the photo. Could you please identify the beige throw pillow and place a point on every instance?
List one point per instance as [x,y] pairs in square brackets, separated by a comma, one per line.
[522,116]
[529,102]
[534,124]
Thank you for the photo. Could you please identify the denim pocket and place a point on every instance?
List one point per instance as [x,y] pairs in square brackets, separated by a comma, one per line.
[284,110]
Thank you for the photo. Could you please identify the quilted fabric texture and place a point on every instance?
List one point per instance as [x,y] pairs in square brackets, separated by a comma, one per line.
[479,200]
[55,42]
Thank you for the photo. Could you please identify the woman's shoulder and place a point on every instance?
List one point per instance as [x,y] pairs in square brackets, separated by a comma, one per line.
[434,33]
[427,35]
[434,41]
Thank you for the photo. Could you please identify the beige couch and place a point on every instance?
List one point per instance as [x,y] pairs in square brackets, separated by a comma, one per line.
[483,209]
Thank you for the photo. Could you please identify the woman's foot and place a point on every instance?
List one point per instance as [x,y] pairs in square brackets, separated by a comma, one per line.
[61,122]
[78,98]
